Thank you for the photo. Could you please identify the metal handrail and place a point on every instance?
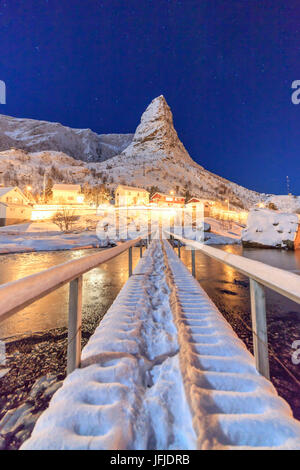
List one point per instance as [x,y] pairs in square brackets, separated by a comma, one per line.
[16,295]
[261,275]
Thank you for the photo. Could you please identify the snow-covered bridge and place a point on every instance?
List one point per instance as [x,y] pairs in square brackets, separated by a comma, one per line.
[164,370]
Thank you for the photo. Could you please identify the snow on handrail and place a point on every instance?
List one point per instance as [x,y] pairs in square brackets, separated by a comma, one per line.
[17,295]
[279,280]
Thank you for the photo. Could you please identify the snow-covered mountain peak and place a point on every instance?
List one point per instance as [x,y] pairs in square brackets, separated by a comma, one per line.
[155,136]
[83,144]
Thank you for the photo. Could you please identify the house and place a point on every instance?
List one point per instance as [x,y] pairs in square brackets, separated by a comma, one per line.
[168,200]
[195,202]
[130,196]
[14,206]
[67,194]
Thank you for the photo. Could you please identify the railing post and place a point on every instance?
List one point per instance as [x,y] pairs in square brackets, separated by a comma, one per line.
[130,261]
[193,262]
[141,249]
[74,325]
[179,255]
[259,327]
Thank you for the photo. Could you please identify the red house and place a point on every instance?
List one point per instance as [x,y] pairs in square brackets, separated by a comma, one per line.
[206,204]
[167,200]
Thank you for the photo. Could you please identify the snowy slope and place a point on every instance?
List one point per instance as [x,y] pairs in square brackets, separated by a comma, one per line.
[285,203]
[165,371]
[83,144]
[156,157]
[19,168]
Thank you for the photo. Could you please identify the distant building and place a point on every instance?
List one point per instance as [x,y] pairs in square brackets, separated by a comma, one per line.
[170,200]
[67,194]
[130,196]
[14,206]
[195,201]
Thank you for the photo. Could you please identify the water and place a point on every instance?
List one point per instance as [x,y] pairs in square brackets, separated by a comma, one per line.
[100,287]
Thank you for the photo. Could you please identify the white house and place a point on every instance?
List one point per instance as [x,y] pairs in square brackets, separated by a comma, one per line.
[67,194]
[130,196]
[14,206]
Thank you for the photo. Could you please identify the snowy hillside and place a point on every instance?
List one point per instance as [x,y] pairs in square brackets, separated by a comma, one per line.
[83,144]
[156,157]
[288,203]
[19,168]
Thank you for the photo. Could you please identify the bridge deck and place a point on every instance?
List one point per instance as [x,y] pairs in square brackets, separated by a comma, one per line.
[164,370]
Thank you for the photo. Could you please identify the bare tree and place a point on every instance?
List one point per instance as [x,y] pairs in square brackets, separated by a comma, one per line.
[64,219]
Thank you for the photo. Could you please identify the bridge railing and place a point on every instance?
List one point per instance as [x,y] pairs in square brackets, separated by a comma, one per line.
[261,275]
[16,295]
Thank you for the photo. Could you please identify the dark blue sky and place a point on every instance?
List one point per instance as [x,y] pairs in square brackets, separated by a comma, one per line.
[225,68]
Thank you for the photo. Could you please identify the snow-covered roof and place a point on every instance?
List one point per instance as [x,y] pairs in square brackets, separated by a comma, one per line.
[67,187]
[132,188]
[167,195]
[197,199]
[5,190]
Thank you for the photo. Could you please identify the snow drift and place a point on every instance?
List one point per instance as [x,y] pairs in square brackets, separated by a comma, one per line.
[267,228]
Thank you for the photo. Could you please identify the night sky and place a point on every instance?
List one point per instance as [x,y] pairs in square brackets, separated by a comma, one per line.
[224,67]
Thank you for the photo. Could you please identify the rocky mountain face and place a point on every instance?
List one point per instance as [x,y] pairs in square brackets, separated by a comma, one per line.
[155,137]
[156,157]
[153,156]
[82,144]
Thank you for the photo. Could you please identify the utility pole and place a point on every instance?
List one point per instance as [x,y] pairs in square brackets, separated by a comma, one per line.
[44,187]
[288,186]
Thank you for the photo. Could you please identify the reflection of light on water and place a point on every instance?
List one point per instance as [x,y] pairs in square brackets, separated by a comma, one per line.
[95,275]
[229,272]
[101,285]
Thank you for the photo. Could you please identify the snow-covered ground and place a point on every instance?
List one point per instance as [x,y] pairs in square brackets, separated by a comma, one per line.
[222,232]
[164,370]
[285,203]
[45,236]
[268,228]
[24,242]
